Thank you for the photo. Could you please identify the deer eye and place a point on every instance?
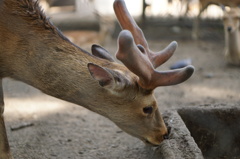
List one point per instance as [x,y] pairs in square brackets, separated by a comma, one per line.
[148,110]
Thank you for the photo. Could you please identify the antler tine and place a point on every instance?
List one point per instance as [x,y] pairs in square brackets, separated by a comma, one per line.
[134,52]
[127,22]
[132,58]
[138,62]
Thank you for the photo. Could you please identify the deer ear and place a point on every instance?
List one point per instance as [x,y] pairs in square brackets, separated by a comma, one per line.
[222,7]
[102,75]
[101,53]
[108,78]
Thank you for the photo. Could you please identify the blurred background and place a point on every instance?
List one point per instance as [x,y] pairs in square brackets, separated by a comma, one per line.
[97,15]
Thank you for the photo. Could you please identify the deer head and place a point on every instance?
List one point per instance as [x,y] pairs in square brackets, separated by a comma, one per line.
[231,19]
[131,87]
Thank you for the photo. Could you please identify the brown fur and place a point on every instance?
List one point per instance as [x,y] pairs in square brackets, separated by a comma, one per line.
[33,13]
[34,51]
[4,146]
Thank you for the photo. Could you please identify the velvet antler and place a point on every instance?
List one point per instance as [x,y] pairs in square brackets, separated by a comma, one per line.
[135,54]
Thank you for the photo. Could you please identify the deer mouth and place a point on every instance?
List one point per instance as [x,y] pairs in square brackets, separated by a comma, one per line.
[146,141]
[150,144]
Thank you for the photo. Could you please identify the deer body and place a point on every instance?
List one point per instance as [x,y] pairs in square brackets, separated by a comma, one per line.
[34,51]
[232,35]
[205,3]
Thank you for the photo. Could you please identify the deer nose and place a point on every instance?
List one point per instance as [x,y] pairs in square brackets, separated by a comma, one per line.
[165,136]
[229,29]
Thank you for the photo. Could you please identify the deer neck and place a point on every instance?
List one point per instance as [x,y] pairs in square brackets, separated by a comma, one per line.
[32,50]
[50,63]
[232,43]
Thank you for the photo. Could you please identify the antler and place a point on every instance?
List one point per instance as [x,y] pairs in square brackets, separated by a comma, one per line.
[140,59]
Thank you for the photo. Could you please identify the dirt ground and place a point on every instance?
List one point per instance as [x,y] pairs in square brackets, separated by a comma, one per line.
[61,130]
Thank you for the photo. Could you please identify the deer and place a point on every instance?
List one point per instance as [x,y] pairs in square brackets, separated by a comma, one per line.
[231,25]
[34,51]
[203,4]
